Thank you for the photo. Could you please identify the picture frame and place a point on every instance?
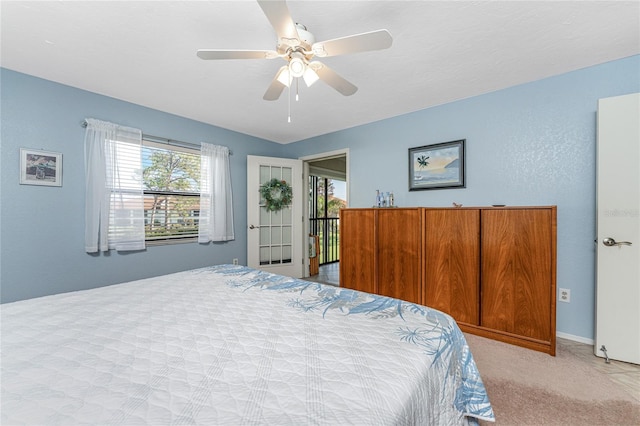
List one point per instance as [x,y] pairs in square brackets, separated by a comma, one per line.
[39,167]
[437,166]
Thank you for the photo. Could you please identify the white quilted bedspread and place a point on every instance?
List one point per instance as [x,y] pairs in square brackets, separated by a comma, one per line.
[229,345]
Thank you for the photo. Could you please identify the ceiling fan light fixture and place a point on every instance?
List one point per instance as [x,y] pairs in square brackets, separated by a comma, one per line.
[310,76]
[297,67]
[285,77]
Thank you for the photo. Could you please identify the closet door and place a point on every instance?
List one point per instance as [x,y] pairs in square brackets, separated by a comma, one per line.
[452,262]
[399,232]
[518,272]
[618,229]
[357,249]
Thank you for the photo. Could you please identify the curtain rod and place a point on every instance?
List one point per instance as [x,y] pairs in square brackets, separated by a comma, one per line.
[171,142]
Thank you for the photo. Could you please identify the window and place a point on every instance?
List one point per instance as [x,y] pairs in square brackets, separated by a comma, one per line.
[138,190]
[171,186]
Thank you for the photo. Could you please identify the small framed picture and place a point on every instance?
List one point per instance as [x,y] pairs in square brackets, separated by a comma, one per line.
[437,166]
[40,167]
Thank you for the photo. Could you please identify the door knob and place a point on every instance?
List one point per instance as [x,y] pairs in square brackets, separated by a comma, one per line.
[256,227]
[610,242]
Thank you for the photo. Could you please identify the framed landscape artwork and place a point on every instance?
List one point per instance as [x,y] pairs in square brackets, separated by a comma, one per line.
[40,167]
[437,166]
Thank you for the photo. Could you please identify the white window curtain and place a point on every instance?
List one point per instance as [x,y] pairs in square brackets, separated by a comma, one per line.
[114,210]
[216,199]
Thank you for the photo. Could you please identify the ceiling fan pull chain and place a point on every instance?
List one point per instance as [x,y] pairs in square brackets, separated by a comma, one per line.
[297,87]
[289,105]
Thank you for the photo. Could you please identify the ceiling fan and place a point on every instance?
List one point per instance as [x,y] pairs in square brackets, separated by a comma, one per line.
[298,47]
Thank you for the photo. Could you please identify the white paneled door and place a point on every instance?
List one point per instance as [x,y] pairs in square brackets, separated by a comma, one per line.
[618,229]
[274,238]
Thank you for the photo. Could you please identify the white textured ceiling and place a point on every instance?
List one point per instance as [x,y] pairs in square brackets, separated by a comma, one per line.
[145,52]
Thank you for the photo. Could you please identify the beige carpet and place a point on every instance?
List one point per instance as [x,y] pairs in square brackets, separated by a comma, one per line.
[531,388]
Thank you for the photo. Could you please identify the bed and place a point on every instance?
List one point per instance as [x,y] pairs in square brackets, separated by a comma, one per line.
[230,345]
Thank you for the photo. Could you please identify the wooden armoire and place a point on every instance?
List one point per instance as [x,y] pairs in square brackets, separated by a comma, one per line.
[493,269]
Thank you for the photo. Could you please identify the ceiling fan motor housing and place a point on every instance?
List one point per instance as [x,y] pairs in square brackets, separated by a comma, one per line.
[303,43]
[305,36]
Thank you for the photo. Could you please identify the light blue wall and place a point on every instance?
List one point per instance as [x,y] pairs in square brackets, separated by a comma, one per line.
[532,144]
[42,228]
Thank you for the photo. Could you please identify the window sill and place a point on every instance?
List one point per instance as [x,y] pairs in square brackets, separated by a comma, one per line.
[171,241]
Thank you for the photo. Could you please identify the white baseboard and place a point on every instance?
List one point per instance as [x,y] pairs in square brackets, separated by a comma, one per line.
[574,338]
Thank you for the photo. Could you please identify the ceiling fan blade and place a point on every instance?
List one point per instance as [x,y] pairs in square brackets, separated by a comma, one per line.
[236,54]
[278,15]
[276,87]
[332,78]
[373,40]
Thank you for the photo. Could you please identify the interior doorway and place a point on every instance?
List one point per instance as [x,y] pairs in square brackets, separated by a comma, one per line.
[327,178]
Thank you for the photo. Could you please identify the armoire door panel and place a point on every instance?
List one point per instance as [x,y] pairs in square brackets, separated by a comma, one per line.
[357,250]
[452,256]
[400,253]
[516,271]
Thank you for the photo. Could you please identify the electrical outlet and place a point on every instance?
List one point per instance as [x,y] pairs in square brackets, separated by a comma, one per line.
[565,295]
[235,261]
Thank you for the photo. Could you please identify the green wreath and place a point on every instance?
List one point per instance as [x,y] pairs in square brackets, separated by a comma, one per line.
[277,194]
